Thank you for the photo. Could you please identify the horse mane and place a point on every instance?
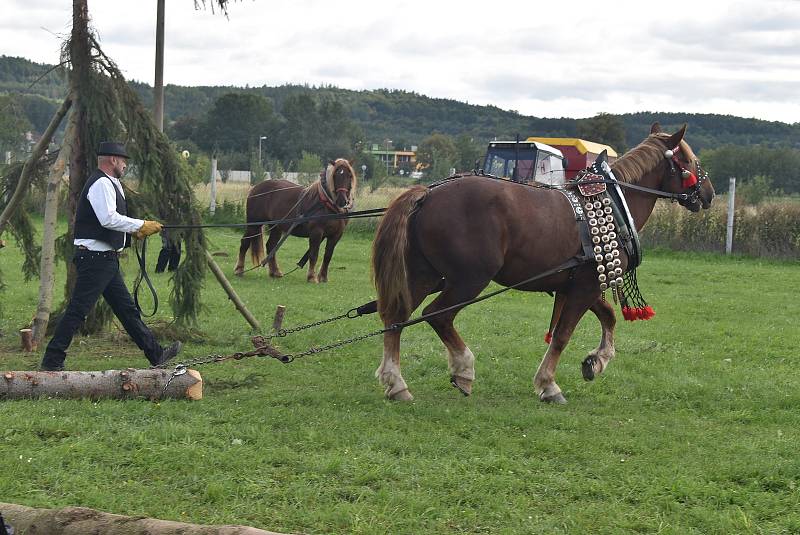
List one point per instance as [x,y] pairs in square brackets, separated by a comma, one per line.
[643,158]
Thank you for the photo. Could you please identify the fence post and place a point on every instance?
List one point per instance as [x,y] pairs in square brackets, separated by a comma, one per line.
[731,201]
[213,205]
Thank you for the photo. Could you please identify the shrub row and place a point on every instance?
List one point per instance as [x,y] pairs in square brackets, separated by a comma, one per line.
[771,229]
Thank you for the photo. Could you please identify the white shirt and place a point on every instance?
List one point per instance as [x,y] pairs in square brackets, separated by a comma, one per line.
[103,198]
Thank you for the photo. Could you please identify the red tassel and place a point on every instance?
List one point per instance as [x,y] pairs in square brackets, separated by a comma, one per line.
[548,337]
[689,181]
[649,312]
[627,313]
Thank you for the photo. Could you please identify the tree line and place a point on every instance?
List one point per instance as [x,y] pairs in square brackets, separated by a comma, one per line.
[302,122]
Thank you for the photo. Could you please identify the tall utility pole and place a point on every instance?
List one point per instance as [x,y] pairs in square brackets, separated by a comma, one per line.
[158,86]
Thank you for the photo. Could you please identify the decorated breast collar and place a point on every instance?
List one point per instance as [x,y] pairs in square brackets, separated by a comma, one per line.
[607,228]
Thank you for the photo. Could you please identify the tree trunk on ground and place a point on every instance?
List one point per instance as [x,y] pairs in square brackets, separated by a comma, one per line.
[37,152]
[47,263]
[226,285]
[82,520]
[117,384]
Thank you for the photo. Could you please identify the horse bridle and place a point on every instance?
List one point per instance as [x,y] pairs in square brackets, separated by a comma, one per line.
[689,181]
[330,200]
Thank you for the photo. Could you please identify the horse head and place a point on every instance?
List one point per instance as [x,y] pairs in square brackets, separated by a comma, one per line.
[340,180]
[682,170]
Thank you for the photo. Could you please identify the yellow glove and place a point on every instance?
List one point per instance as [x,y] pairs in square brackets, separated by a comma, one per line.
[148,228]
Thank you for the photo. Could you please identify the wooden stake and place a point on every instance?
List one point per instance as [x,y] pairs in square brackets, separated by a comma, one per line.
[116,384]
[28,344]
[278,321]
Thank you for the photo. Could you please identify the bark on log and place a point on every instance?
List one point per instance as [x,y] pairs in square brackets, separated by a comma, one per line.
[232,293]
[82,520]
[118,384]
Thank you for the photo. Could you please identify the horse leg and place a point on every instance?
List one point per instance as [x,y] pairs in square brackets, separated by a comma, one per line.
[597,360]
[460,359]
[330,245]
[274,237]
[577,302]
[249,238]
[314,241]
[388,373]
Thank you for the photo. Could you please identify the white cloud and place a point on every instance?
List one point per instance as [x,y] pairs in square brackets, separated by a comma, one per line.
[550,60]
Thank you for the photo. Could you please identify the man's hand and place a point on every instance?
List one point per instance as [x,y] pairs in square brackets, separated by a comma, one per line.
[148,228]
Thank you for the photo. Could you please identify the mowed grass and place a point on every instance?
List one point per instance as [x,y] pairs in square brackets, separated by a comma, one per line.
[692,429]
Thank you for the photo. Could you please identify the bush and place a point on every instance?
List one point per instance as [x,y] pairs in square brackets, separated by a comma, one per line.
[771,229]
[755,190]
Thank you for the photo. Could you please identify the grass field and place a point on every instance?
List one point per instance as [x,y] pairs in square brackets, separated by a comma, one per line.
[692,429]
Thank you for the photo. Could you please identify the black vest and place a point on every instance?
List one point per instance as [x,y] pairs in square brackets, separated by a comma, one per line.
[87,225]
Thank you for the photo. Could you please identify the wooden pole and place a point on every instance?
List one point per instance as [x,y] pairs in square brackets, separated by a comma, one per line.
[117,384]
[278,321]
[223,281]
[212,207]
[158,85]
[48,258]
[731,210]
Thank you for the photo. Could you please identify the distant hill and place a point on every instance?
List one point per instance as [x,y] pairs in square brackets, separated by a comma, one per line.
[407,117]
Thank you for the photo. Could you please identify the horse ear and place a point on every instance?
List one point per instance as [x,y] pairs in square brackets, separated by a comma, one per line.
[675,139]
[331,162]
[655,128]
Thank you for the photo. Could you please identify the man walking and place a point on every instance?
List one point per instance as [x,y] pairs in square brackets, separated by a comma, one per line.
[102,230]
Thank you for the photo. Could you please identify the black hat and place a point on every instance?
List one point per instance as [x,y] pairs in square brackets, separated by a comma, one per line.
[109,148]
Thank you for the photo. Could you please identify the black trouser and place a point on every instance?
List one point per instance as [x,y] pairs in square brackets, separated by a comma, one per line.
[98,273]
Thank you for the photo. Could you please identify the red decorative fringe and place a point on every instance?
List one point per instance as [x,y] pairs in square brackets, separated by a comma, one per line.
[638,313]
[689,181]
[548,337]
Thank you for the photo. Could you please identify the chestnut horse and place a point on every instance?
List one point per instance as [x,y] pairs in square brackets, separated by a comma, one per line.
[280,199]
[474,230]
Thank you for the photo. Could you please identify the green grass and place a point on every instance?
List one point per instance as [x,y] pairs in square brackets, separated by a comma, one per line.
[692,429]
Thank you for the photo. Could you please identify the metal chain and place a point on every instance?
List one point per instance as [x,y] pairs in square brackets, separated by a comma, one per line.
[281,333]
[290,357]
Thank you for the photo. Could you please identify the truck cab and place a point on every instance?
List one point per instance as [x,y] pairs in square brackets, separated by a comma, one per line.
[525,161]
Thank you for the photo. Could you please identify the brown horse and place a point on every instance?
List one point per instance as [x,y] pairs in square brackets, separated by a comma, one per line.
[473,230]
[280,199]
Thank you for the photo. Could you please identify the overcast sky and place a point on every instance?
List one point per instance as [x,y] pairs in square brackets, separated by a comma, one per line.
[549,59]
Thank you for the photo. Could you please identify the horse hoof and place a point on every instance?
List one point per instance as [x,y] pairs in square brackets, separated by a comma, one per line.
[313,280]
[587,367]
[557,398]
[403,395]
[276,275]
[463,385]
[239,272]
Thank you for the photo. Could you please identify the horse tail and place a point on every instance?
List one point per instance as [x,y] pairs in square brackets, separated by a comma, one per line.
[257,247]
[389,251]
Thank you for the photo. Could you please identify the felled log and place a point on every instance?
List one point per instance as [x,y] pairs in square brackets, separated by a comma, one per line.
[82,520]
[118,384]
